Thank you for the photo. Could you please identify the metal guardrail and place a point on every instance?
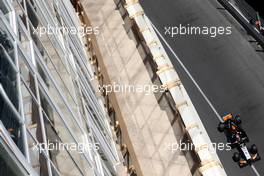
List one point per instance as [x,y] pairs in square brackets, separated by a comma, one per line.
[251,29]
[210,164]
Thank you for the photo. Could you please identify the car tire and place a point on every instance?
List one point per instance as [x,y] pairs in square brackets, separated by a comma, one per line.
[238,120]
[236,157]
[221,127]
[253,149]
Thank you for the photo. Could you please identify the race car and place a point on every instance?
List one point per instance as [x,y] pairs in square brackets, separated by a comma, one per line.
[237,138]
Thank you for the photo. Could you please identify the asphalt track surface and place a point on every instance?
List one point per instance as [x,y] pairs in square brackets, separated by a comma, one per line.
[227,69]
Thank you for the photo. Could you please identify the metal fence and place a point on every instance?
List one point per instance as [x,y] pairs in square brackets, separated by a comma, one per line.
[47,98]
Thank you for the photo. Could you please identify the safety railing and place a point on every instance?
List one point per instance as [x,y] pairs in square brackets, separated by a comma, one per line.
[244,21]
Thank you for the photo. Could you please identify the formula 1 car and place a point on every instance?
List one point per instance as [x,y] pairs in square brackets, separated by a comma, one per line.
[237,138]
